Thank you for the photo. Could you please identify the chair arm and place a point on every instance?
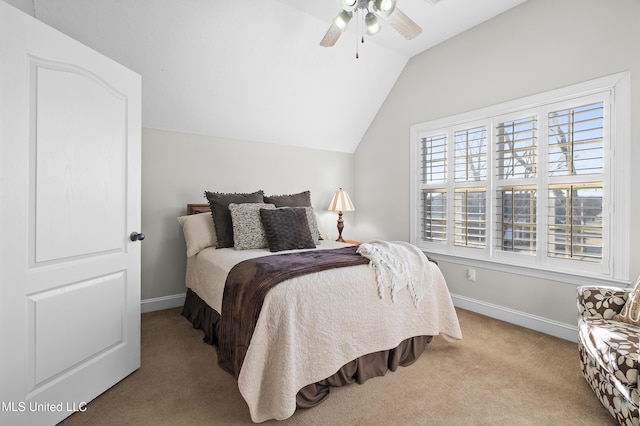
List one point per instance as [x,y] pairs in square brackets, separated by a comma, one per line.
[601,301]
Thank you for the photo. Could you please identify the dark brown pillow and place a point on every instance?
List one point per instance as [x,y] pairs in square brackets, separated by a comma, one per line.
[286,228]
[302,199]
[219,203]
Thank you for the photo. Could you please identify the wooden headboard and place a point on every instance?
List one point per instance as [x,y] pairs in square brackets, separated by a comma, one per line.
[198,208]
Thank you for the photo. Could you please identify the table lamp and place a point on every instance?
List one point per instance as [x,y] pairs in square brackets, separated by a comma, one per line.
[340,202]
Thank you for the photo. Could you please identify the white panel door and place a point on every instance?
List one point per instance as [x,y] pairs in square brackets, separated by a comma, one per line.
[69,200]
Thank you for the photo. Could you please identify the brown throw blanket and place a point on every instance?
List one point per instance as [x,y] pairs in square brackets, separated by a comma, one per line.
[247,285]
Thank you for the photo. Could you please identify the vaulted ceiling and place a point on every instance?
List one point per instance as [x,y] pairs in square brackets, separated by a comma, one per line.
[254,70]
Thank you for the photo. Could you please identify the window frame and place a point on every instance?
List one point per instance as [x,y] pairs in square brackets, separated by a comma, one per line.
[614,90]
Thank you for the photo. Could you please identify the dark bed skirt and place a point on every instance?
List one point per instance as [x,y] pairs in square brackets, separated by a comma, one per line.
[205,318]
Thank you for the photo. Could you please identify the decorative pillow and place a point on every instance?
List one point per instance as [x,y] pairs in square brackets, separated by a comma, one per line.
[219,204]
[199,232]
[286,228]
[302,199]
[631,310]
[313,224]
[248,232]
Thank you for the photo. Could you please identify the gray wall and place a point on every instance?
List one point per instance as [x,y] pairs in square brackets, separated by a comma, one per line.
[537,46]
[25,5]
[177,168]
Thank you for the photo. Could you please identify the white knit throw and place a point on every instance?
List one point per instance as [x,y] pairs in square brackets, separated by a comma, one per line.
[397,265]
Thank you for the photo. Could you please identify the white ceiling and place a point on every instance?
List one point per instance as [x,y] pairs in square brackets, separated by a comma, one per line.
[254,70]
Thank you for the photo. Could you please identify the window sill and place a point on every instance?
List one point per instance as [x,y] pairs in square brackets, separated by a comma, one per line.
[529,271]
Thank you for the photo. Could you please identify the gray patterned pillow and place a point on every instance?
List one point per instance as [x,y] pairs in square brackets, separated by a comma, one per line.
[313,224]
[248,232]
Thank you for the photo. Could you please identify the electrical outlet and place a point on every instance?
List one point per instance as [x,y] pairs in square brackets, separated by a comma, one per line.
[471,274]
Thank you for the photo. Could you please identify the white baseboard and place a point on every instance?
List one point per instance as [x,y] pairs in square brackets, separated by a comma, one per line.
[160,303]
[523,319]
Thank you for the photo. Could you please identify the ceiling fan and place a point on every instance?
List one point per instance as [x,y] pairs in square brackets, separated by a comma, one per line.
[370,10]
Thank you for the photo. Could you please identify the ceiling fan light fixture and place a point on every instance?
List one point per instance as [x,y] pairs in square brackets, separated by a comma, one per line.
[369,13]
[342,20]
[385,7]
[372,24]
[349,5]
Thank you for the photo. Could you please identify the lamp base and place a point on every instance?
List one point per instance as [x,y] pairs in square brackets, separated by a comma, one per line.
[340,227]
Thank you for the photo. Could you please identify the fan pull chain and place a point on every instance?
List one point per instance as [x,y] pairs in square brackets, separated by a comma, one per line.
[362,25]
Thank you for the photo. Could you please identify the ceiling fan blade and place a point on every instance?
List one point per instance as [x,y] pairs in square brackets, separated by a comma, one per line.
[332,35]
[403,24]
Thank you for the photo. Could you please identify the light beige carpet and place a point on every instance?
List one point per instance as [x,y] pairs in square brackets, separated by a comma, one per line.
[499,374]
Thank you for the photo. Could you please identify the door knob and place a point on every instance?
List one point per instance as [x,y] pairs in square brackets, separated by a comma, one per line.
[136,236]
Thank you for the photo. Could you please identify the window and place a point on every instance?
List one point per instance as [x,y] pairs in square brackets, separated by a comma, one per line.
[470,218]
[575,222]
[529,183]
[516,223]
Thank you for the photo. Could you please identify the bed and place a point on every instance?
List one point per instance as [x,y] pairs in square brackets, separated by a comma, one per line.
[323,328]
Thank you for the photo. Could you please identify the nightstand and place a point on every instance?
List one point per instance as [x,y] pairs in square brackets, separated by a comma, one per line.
[353,242]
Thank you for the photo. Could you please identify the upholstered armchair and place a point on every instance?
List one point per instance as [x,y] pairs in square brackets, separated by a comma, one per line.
[609,350]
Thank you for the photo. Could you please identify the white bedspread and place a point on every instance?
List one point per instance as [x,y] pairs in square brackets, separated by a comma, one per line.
[296,340]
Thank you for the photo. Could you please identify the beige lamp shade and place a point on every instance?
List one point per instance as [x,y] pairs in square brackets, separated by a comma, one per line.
[340,202]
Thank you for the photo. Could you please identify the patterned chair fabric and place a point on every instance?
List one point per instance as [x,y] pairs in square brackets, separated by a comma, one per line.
[609,351]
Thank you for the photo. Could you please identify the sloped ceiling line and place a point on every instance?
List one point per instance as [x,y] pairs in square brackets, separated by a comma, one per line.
[255,70]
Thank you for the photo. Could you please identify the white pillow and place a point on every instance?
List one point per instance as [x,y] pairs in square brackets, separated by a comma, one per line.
[631,310]
[199,232]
